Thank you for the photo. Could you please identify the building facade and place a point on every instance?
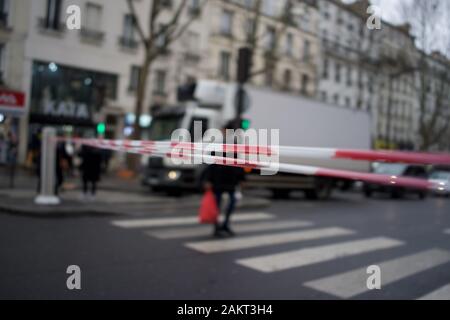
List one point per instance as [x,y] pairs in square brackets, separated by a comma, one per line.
[360,70]
[74,79]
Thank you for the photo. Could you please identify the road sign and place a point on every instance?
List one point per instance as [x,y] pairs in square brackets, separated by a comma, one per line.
[12,102]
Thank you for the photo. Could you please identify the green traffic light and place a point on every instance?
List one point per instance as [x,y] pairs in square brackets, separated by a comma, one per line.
[101,128]
[245,124]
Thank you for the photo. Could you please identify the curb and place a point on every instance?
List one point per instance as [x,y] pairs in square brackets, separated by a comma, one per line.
[81,210]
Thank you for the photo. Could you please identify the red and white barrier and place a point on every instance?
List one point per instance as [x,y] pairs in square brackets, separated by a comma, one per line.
[298,152]
[183,150]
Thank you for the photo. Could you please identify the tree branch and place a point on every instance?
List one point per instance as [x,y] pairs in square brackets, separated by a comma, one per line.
[136,22]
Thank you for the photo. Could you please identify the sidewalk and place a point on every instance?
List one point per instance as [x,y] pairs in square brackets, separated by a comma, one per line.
[116,196]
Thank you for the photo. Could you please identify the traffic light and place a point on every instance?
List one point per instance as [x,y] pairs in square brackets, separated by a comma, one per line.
[244,65]
[101,128]
[245,124]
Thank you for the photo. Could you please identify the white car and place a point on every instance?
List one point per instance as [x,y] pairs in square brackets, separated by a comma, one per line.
[442,181]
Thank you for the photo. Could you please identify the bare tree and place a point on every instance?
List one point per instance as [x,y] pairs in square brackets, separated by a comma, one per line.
[267,42]
[156,39]
[428,19]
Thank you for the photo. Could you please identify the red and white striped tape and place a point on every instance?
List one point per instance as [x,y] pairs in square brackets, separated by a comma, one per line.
[299,152]
[182,150]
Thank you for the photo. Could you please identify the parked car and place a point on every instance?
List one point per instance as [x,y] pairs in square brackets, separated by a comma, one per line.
[442,181]
[397,170]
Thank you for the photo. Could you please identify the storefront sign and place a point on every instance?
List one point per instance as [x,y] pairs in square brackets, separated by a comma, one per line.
[12,102]
[67,110]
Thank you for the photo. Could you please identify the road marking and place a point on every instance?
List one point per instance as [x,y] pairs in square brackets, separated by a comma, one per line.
[221,245]
[440,294]
[313,255]
[447,231]
[354,282]
[201,231]
[162,222]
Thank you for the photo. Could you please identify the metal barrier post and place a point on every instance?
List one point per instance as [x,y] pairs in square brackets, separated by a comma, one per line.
[48,169]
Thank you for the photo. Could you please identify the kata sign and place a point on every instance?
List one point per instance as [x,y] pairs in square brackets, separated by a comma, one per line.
[12,102]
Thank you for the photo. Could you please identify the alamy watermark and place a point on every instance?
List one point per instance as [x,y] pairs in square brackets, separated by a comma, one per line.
[252,147]
[374,20]
[374,280]
[73,282]
[73,21]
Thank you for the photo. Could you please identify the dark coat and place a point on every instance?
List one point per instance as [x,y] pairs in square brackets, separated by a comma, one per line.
[224,178]
[91,163]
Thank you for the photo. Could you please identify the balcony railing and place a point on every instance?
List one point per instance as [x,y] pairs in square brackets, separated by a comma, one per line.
[92,35]
[45,25]
[128,43]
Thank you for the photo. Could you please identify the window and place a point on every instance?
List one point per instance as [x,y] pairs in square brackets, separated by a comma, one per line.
[52,19]
[224,67]
[349,76]
[4,9]
[323,96]
[305,84]
[307,50]
[128,36]
[287,79]
[134,78]
[93,16]
[68,86]
[289,44]
[270,38]
[250,28]
[326,64]
[338,73]
[128,27]
[160,87]
[226,23]
[161,40]
[194,7]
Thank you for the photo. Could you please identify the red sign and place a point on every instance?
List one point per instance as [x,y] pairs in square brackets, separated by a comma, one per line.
[11,101]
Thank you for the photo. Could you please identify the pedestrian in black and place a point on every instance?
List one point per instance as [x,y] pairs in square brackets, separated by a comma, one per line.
[224,179]
[91,161]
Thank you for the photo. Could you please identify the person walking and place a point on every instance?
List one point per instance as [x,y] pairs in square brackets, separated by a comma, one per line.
[90,168]
[223,179]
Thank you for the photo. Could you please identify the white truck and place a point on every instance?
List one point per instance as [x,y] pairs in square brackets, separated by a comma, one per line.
[301,121]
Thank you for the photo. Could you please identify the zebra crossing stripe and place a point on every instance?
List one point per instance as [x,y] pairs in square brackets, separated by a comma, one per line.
[200,231]
[222,245]
[354,282]
[163,222]
[440,294]
[314,255]
[447,231]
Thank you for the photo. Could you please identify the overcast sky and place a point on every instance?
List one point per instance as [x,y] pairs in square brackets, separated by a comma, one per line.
[391,12]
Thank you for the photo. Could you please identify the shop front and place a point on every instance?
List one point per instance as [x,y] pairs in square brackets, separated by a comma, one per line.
[12,107]
[72,100]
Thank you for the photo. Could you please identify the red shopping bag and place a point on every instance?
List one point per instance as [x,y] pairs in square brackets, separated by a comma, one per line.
[209,212]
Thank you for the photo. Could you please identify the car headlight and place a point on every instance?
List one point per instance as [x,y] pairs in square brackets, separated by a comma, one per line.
[173,175]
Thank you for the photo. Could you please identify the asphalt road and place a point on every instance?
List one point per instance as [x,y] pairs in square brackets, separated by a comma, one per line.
[294,249]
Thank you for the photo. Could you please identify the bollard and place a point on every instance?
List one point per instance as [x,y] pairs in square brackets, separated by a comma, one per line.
[48,169]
